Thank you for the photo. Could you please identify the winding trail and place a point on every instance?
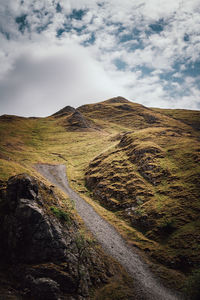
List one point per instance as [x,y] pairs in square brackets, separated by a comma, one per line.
[148,288]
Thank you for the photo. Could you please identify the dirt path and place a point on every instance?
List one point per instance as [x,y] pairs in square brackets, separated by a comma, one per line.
[147,286]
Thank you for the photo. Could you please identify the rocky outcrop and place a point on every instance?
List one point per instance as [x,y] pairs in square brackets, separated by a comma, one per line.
[73,120]
[50,257]
[29,234]
[78,122]
[66,111]
[43,288]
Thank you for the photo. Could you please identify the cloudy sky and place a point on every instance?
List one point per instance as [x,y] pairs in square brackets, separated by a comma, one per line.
[72,52]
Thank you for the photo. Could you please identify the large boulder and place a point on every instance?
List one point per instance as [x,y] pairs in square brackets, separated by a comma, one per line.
[28,233]
[43,288]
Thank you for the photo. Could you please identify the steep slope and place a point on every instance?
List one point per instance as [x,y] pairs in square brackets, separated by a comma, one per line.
[24,142]
[151,179]
[74,120]
[190,117]
[67,110]
[140,164]
[44,254]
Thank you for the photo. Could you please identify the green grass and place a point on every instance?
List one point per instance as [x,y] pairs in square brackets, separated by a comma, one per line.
[190,117]
[171,202]
[168,148]
[63,216]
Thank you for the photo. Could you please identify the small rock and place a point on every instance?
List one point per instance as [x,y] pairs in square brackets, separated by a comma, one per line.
[45,289]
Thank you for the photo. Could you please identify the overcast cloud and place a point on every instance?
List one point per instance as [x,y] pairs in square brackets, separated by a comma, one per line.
[72,52]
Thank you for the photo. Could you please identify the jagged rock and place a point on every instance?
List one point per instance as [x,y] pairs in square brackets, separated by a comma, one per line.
[66,111]
[45,255]
[65,274]
[77,121]
[28,233]
[43,288]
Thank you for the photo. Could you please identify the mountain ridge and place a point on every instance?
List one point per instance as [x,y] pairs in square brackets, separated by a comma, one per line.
[138,166]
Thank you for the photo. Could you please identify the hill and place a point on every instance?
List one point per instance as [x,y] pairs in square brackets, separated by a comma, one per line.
[138,166]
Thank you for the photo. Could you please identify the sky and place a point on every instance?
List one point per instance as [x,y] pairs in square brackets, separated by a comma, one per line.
[73,52]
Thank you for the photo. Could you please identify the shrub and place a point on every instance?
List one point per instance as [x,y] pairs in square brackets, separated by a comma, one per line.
[61,214]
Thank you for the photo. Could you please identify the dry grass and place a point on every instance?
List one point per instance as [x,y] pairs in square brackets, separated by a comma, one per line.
[155,169]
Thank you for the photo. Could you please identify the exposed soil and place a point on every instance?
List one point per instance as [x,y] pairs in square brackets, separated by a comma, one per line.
[148,287]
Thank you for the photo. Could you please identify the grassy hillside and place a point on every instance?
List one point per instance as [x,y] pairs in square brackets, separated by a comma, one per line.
[190,117]
[138,167]
[26,141]
[151,179]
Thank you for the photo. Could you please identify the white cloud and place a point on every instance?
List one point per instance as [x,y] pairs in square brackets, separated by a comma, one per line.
[42,81]
[37,67]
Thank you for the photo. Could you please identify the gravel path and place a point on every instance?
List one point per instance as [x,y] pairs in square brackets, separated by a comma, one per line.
[148,287]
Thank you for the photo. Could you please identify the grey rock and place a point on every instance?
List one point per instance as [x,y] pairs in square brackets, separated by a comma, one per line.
[29,234]
[44,288]
[78,121]
[67,110]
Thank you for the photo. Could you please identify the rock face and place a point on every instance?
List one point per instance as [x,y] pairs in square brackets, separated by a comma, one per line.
[77,121]
[44,288]
[67,110]
[29,234]
[47,257]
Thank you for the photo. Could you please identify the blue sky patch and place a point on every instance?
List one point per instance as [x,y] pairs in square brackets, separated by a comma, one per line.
[125,38]
[60,32]
[145,70]
[58,8]
[158,26]
[65,28]
[43,28]
[22,23]
[186,37]
[78,14]
[132,35]
[193,69]
[168,76]
[120,64]
[90,41]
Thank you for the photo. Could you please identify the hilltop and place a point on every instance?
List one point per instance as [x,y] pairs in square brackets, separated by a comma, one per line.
[138,166]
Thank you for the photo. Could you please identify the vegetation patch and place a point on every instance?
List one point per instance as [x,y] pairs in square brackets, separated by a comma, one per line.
[62,215]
